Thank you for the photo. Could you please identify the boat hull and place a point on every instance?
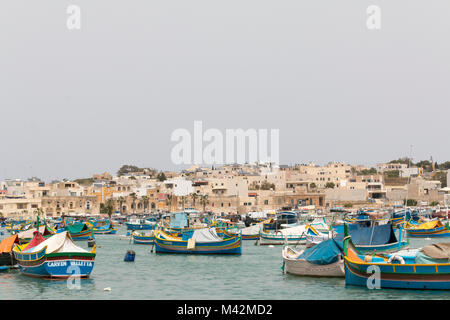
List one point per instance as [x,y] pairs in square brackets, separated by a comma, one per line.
[131,226]
[228,246]
[400,276]
[279,240]
[304,268]
[84,235]
[77,265]
[141,239]
[106,231]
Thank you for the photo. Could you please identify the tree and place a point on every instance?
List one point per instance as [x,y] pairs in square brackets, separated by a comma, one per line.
[134,197]
[194,196]
[267,186]
[145,200]
[204,201]
[161,176]
[392,173]
[109,208]
[121,201]
[442,177]
[312,185]
[329,185]
[367,172]
[404,160]
[169,201]
[410,202]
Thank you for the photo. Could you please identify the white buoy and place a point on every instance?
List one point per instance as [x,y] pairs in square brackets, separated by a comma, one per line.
[270,246]
[107,289]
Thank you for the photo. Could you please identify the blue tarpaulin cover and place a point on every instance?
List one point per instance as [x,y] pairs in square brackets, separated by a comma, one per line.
[375,235]
[326,252]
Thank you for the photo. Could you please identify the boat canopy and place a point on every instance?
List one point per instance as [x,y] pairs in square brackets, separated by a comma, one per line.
[437,250]
[324,253]
[298,230]
[374,235]
[76,228]
[178,220]
[30,232]
[38,238]
[60,242]
[206,235]
[7,244]
[428,225]
[248,231]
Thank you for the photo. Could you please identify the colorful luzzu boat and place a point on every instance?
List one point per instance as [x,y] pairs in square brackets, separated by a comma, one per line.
[375,238]
[199,241]
[103,228]
[248,233]
[434,228]
[56,257]
[294,235]
[27,236]
[143,237]
[80,231]
[408,269]
[140,224]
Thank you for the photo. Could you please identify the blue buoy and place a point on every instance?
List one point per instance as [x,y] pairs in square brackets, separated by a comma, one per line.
[129,256]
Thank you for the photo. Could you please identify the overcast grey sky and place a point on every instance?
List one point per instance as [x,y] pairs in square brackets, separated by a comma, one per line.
[74,103]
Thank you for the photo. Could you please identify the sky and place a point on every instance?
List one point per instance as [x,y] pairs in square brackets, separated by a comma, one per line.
[78,102]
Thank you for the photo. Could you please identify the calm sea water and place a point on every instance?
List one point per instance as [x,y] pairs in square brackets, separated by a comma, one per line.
[256,274]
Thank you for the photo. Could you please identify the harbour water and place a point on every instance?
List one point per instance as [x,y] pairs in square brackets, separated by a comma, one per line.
[256,274]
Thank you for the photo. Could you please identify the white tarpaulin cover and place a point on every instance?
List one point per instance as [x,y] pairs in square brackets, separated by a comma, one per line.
[249,231]
[298,230]
[60,242]
[206,235]
[29,233]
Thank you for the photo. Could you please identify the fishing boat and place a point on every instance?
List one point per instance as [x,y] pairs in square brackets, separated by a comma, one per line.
[248,233]
[6,246]
[428,268]
[295,235]
[312,240]
[375,238]
[324,260]
[199,241]
[103,227]
[285,218]
[143,237]
[27,235]
[434,228]
[140,224]
[80,231]
[56,257]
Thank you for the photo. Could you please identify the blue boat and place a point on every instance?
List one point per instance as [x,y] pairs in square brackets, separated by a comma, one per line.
[295,235]
[200,241]
[375,238]
[143,237]
[427,268]
[103,227]
[56,257]
[140,224]
[79,231]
